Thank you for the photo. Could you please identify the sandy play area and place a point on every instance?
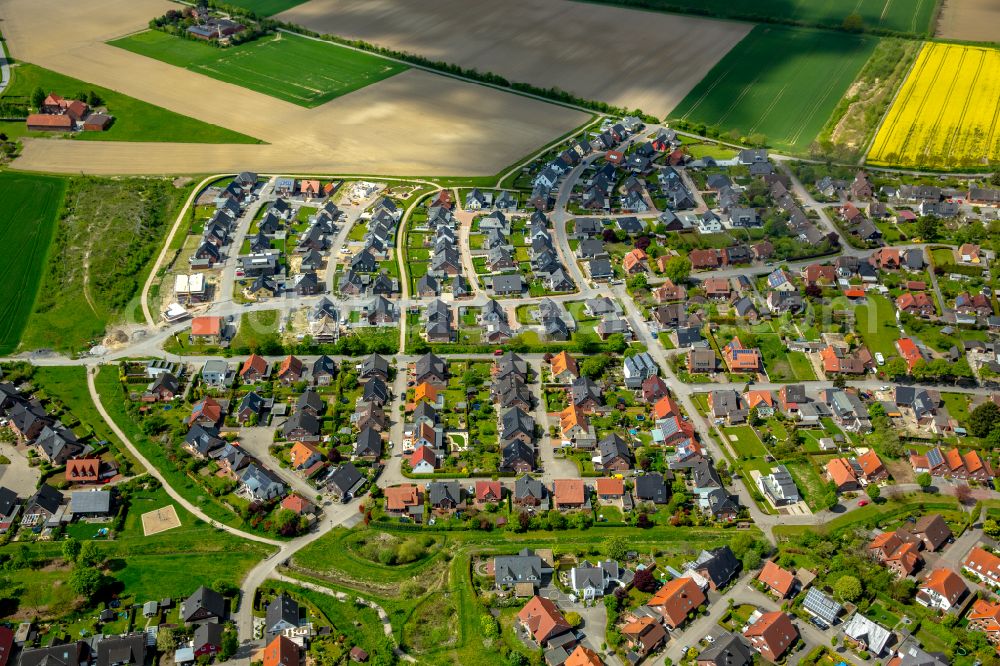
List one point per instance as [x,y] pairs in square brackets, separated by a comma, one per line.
[629,58]
[415,123]
[161,520]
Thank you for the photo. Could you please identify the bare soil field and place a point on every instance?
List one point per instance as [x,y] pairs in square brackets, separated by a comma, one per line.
[629,58]
[971,20]
[415,123]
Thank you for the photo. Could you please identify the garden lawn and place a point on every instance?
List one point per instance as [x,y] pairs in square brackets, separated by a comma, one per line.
[746,441]
[135,120]
[780,82]
[27,220]
[295,69]
[876,322]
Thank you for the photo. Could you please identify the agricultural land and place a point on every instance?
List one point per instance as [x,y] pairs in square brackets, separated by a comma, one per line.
[27,219]
[968,20]
[135,120]
[884,15]
[782,83]
[946,113]
[324,70]
[493,37]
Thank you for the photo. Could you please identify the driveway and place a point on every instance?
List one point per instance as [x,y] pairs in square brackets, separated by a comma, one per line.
[258,441]
[19,476]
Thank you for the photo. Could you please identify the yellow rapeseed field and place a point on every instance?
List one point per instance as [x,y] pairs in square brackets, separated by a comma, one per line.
[946,113]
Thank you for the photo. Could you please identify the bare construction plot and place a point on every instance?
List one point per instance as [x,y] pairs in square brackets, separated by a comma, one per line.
[971,20]
[415,123]
[161,520]
[629,58]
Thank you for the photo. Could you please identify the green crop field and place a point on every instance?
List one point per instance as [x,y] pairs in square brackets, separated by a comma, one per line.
[780,82]
[134,120]
[27,219]
[912,17]
[265,7]
[291,68]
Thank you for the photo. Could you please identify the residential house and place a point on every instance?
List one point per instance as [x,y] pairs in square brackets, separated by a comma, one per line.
[943,589]
[676,599]
[779,581]
[542,620]
[899,556]
[772,634]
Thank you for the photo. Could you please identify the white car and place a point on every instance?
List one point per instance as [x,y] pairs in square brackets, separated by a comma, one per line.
[879,358]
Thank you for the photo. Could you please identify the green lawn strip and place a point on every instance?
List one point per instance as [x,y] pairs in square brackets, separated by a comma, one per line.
[807,479]
[779,82]
[135,120]
[877,513]
[113,398]
[323,70]
[27,225]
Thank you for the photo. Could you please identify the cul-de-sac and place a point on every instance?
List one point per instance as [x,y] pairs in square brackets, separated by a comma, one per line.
[519,333]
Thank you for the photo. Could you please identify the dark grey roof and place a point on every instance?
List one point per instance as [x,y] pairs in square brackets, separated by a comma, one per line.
[346,478]
[303,420]
[47,498]
[203,598]
[282,613]
[8,501]
[528,486]
[90,501]
[727,650]
[324,365]
[651,488]
[430,365]
[515,452]
[209,633]
[375,390]
[369,443]
[517,420]
[441,491]
[525,567]
[121,650]
[374,364]
[613,446]
[720,565]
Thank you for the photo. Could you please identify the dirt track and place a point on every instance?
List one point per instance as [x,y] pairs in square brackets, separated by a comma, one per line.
[973,20]
[415,123]
[629,58]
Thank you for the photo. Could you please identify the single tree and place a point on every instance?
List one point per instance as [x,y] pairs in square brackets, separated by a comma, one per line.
[873,491]
[848,588]
[71,550]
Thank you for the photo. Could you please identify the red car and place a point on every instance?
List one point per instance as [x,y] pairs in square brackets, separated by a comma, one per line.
[498,352]
[863,502]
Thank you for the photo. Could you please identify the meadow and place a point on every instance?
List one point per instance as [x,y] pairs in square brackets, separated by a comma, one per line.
[288,67]
[135,120]
[781,83]
[27,219]
[907,17]
[105,242]
[946,113]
